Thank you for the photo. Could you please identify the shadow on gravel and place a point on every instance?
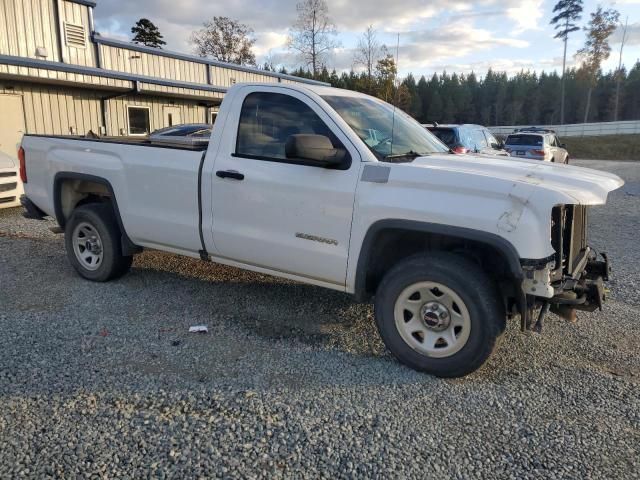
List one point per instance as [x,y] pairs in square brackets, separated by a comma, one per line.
[270,307]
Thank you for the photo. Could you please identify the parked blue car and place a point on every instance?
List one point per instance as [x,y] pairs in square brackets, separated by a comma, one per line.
[467,138]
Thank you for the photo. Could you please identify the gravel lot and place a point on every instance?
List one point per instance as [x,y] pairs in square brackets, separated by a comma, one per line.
[102,380]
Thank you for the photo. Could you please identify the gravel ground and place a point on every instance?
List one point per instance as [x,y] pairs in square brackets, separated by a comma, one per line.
[102,380]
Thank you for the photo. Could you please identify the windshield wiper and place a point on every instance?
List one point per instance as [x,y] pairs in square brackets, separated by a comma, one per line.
[409,154]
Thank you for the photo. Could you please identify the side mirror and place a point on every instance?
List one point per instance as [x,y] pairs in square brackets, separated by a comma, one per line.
[317,150]
[563,145]
[498,146]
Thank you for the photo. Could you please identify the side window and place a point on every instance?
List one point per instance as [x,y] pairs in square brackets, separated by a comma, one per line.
[552,141]
[268,119]
[490,138]
[479,139]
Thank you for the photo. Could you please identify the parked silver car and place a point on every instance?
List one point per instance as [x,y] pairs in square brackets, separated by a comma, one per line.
[187,134]
[536,144]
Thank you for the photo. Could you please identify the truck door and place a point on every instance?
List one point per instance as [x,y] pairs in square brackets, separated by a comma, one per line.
[276,212]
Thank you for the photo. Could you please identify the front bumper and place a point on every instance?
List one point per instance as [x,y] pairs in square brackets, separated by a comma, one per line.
[583,288]
[564,293]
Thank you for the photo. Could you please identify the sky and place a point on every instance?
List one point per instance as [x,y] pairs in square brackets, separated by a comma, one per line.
[435,35]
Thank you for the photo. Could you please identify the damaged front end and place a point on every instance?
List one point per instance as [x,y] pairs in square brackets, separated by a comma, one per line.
[571,279]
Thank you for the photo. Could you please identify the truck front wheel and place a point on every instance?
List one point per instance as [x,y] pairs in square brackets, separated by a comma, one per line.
[92,241]
[439,314]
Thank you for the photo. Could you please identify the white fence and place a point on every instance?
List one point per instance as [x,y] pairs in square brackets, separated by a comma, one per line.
[581,129]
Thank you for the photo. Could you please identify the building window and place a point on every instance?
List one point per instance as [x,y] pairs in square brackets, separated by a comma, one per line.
[138,120]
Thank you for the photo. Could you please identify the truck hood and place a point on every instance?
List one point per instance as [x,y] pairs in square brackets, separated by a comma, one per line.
[584,185]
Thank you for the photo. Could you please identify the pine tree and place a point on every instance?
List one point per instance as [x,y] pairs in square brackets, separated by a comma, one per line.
[146,33]
[567,12]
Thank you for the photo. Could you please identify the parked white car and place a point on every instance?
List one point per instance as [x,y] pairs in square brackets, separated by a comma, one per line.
[293,184]
[10,184]
[536,144]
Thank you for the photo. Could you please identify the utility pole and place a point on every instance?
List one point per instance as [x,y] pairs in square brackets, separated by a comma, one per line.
[564,67]
[619,71]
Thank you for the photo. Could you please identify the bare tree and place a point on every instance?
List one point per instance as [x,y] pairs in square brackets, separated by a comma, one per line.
[225,39]
[567,12]
[596,48]
[619,73]
[312,35]
[369,51]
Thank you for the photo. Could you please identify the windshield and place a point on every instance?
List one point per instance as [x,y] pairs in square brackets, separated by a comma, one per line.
[529,140]
[388,138]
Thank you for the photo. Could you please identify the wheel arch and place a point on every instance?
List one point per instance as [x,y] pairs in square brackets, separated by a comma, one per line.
[88,188]
[413,235]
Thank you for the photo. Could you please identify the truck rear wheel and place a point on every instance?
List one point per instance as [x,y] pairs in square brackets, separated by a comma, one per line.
[92,240]
[439,314]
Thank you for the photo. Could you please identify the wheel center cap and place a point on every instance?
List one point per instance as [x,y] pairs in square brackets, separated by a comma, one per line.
[92,246]
[435,316]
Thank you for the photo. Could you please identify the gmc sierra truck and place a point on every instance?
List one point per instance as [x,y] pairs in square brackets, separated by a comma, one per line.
[338,189]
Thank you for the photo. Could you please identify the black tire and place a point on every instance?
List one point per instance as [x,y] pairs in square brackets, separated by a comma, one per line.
[99,216]
[566,160]
[465,278]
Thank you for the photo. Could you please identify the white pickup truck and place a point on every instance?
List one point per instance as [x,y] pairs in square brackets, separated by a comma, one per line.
[337,189]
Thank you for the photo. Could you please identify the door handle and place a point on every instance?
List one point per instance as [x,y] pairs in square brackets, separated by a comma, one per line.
[230,174]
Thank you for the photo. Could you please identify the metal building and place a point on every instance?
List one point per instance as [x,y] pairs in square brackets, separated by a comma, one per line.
[59,76]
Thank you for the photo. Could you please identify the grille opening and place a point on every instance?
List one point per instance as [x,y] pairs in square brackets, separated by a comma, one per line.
[8,174]
[7,199]
[7,187]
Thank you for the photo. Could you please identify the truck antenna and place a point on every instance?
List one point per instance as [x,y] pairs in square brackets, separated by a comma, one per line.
[395,95]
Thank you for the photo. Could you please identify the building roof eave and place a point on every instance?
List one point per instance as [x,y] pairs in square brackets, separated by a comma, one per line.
[99,72]
[97,38]
[88,3]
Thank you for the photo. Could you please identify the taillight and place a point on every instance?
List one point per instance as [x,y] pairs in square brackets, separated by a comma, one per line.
[538,152]
[23,166]
[460,150]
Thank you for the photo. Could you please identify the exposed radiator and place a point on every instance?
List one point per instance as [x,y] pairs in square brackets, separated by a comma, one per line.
[569,235]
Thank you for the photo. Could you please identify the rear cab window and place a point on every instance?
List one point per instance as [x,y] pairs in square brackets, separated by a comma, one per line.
[448,136]
[524,139]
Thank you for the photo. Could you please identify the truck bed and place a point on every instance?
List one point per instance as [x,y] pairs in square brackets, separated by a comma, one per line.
[200,146]
[156,188]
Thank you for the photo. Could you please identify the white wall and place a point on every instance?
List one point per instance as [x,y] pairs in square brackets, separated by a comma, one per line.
[581,129]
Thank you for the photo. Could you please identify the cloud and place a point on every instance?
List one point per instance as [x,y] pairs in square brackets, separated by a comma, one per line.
[507,65]
[525,15]
[450,41]
[633,34]
[432,32]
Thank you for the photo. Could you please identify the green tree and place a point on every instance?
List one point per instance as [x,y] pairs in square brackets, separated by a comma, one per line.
[596,48]
[146,33]
[386,72]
